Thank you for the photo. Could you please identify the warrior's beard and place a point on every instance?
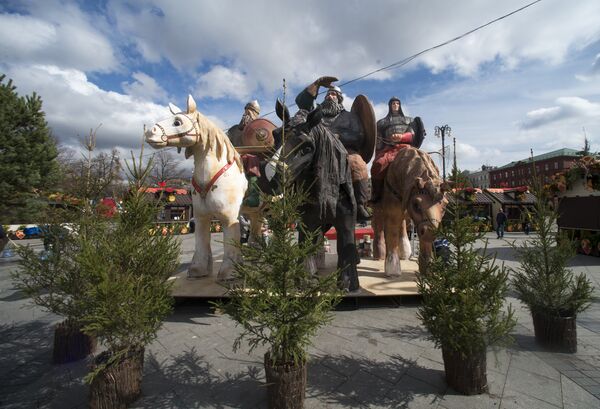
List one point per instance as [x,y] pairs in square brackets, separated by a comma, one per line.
[331,108]
[246,119]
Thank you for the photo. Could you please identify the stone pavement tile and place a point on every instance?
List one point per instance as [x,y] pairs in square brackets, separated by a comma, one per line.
[322,381]
[430,372]
[516,400]
[575,397]
[338,401]
[498,360]
[585,381]
[366,388]
[593,373]
[453,400]
[162,400]
[528,361]
[496,383]
[534,385]
[238,390]
[593,389]
[412,393]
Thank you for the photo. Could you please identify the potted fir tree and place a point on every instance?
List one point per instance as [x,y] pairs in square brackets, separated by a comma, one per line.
[462,307]
[125,308]
[545,284]
[55,282]
[278,302]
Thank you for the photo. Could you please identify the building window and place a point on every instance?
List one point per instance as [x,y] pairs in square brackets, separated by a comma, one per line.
[512,173]
[546,166]
[555,165]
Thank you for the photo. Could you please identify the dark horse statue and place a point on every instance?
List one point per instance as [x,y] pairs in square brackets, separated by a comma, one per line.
[317,159]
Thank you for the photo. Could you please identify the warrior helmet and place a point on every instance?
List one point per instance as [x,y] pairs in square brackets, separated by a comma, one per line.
[338,92]
[254,106]
[392,99]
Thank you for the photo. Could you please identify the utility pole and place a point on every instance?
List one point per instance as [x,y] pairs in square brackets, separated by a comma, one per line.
[443,131]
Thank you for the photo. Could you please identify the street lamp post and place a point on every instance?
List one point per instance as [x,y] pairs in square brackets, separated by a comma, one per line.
[443,131]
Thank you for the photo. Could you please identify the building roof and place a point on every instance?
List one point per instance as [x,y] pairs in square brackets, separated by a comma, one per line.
[479,197]
[549,155]
[508,197]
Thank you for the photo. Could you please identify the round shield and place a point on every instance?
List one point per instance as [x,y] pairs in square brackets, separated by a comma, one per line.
[364,110]
[419,129]
[258,133]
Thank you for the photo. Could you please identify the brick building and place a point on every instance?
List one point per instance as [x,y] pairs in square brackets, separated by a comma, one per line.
[518,173]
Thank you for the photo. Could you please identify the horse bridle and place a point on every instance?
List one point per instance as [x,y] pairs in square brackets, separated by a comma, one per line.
[427,219]
[164,137]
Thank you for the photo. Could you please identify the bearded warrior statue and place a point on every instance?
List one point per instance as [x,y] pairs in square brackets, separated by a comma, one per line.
[349,128]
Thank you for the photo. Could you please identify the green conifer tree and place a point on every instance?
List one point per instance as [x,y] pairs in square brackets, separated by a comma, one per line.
[27,154]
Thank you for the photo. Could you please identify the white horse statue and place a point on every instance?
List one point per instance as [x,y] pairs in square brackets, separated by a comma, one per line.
[218,180]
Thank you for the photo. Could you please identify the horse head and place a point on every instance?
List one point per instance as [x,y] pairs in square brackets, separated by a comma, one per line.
[298,142]
[180,130]
[426,206]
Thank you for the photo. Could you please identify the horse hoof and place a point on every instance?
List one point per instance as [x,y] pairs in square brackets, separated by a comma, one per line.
[197,272]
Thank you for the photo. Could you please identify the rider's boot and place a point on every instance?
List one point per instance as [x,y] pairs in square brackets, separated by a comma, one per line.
[361,194]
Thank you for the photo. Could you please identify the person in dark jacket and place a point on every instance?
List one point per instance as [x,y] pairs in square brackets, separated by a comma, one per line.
[500,223]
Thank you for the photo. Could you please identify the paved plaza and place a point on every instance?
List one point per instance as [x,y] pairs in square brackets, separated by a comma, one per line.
[376,356]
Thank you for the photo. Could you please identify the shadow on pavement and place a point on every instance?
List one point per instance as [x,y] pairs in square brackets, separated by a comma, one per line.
[188,381]
[358,382]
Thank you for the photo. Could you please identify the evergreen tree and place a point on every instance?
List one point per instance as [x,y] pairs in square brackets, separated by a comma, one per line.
[463,294]
[543,281]
[27,154]
[276,300]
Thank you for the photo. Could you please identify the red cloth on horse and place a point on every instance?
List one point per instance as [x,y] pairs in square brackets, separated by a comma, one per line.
[251,165]
[383,158]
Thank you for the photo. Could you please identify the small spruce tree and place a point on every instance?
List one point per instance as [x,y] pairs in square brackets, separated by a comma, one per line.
[276,300]
[463,295]
[463,303]
[131,266]
[543,281]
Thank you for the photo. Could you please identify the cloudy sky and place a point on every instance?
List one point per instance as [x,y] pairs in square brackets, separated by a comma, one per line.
[531,80]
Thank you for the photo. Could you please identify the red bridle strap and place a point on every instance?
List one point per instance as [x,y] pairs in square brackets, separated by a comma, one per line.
[211,183]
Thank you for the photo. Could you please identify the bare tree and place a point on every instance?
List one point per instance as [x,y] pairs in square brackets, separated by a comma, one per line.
[166,167]
[90,176]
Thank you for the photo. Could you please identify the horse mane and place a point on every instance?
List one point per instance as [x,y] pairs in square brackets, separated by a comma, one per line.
[410,164]
[215,140]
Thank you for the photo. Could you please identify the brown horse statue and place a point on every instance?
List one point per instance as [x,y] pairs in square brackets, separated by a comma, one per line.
[413,190]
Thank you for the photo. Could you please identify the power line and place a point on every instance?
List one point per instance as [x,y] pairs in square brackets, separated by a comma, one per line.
[406,60]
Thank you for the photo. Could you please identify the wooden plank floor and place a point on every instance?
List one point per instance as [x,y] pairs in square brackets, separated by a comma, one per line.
[372,281]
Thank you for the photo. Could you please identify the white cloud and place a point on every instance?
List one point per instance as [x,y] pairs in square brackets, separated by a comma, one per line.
[350,39]
[223,82]
[66,39]
[144,87]
[566,109]
[73,105]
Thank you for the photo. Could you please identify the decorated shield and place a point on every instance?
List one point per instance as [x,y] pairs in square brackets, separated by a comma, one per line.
[419,129]
[364,110]
[258,133]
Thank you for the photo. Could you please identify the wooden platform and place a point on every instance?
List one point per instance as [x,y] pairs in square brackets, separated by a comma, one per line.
[372,281]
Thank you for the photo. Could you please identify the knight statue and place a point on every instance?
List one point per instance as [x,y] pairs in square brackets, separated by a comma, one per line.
[352,128]
[251,112]
[394,132]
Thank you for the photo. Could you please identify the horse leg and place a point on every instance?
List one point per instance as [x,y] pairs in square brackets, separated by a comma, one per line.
[404,249]
[425,255]
[347,254]
[202,262]
[231,251]
[377,222]
[392,229]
